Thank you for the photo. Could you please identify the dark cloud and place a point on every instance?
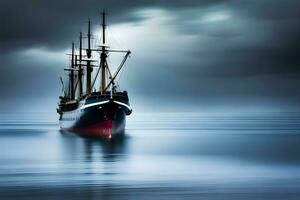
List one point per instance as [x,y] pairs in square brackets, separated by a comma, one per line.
[268,10]
[53,23]
[208,50]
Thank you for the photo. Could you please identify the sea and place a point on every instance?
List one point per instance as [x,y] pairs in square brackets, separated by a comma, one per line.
[170,156]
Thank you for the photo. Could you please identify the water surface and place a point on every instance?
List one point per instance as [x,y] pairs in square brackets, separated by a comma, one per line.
[161,156]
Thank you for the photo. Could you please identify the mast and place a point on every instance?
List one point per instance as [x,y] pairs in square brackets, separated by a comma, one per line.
[103,56]
[89,69]
[72,74]
[103,26]
[80,69]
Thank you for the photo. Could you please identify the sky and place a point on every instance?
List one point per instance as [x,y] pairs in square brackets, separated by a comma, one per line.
[191,55]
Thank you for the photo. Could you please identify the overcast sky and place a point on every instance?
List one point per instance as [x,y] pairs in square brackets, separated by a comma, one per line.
[186,55]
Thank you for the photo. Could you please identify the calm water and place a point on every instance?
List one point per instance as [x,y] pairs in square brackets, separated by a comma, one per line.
[162,156]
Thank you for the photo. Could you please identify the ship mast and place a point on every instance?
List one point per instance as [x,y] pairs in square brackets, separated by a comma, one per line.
[80,69]
[103,67]
[72,74]
[103,57]
[89,69]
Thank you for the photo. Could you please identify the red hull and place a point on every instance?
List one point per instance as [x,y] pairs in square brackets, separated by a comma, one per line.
[103,129]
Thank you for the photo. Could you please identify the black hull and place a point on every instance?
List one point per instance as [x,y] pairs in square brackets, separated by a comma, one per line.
[99,118]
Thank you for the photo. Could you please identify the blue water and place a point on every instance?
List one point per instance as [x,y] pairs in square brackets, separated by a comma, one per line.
[161,156]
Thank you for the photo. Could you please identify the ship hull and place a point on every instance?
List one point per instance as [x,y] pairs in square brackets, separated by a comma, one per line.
[98,119]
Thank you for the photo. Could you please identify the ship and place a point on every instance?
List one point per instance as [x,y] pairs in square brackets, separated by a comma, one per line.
[101,108]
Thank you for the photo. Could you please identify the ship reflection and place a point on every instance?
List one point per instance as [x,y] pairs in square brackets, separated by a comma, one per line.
[111,148]
[91,149]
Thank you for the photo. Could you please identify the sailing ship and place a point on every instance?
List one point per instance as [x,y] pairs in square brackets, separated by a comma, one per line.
[96,111]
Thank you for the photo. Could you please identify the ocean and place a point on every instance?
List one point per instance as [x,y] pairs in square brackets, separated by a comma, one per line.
[161,156]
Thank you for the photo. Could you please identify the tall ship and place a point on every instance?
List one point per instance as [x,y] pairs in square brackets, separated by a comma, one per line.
[92,103]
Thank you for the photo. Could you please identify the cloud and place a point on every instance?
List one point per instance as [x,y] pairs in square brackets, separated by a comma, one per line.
[53,23]
[210,50]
